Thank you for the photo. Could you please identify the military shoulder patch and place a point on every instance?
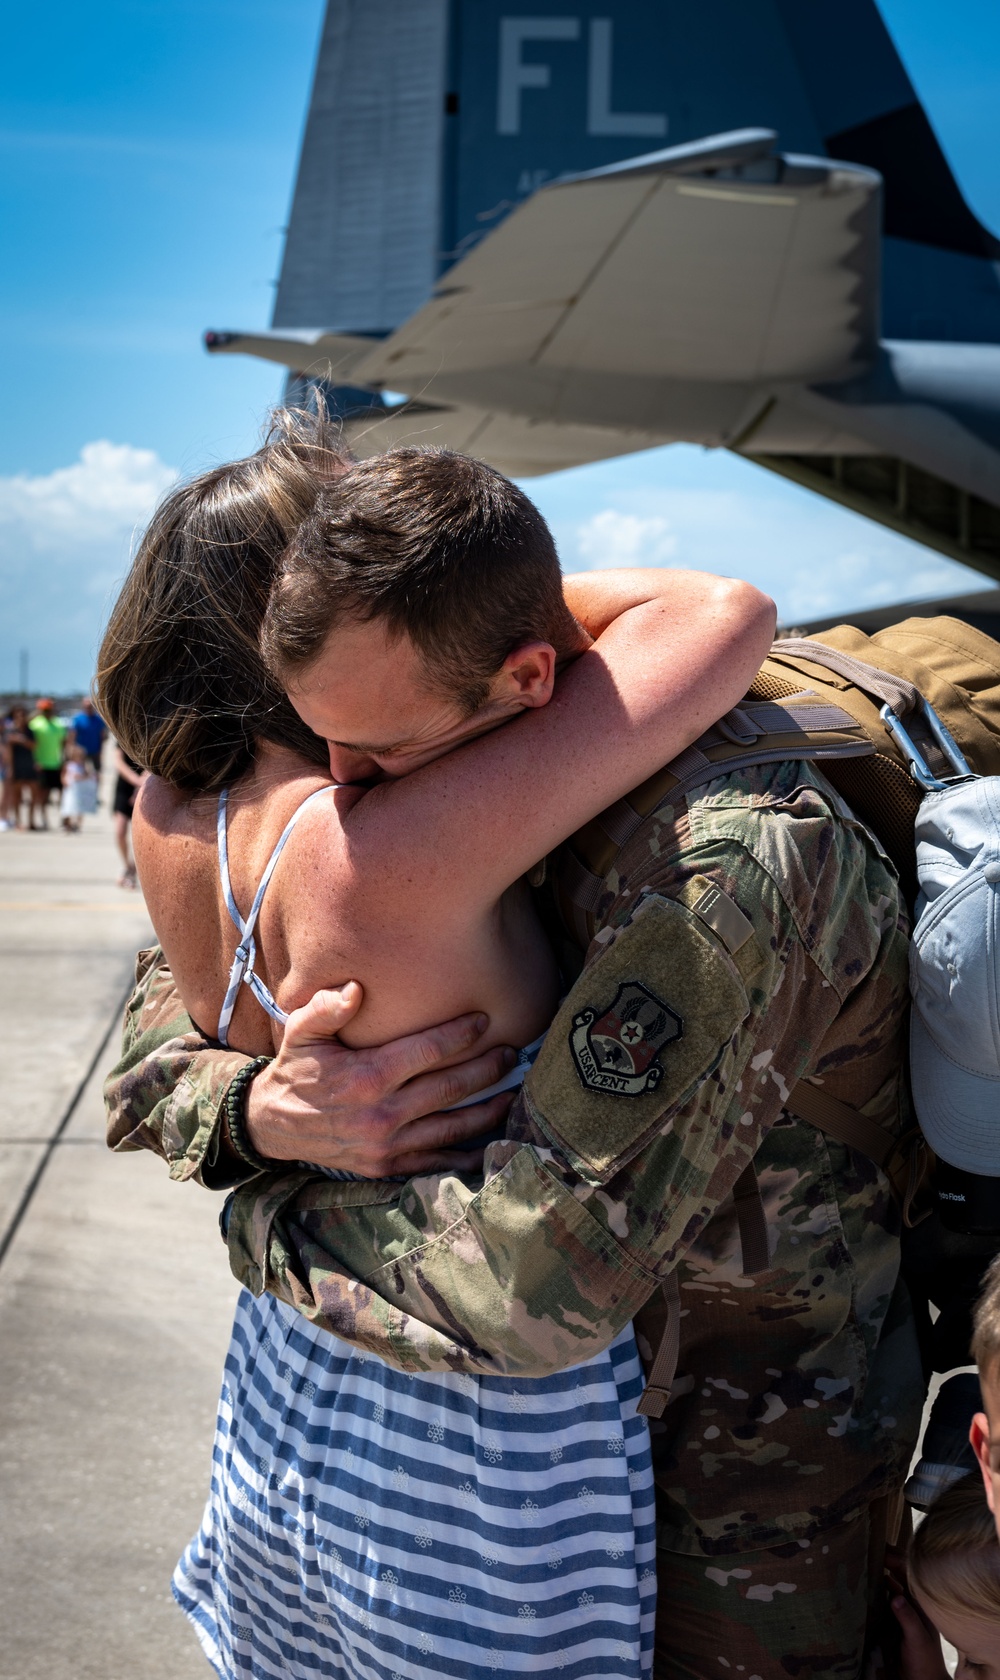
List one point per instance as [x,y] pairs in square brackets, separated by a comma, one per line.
[647,1021]
[618,1049]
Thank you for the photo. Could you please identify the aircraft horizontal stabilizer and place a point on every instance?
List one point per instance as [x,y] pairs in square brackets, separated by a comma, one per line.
[516,446]
[321,355]
[718,261]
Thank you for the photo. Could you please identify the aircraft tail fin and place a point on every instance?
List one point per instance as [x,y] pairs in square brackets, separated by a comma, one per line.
[361,251]
[923,202]
[431,120]
[867,112]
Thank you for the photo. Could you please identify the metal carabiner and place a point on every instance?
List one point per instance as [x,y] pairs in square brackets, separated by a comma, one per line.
[946,741]
[920,770]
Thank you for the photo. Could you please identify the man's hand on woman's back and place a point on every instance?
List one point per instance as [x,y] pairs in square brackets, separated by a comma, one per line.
[374,1113]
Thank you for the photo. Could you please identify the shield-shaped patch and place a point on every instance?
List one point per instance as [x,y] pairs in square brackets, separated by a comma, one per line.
[618,1050]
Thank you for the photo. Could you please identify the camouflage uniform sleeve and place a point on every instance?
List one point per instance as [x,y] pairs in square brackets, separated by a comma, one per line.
[166,1091]
[601,1187]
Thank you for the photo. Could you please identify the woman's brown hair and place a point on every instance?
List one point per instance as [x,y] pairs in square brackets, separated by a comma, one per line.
[180,679]
[954,1556]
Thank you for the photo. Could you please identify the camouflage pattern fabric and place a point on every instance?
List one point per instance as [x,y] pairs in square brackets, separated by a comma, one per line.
[167,1090]
[799,1389]
[792,1611]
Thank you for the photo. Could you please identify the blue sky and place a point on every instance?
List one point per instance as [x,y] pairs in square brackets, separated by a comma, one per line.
[148,154]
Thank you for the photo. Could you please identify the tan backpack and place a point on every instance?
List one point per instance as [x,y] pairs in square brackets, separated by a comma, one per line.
[824,698]
[887,718]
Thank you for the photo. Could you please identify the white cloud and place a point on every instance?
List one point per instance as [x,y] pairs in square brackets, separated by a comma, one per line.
[714,512]
[65,538]
[106,491]
[610,538]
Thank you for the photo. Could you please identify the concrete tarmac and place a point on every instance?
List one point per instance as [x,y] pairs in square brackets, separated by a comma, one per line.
[115,1297]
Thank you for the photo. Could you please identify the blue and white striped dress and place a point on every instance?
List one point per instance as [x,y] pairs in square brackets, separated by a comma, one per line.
[371,1525]
[368,1524]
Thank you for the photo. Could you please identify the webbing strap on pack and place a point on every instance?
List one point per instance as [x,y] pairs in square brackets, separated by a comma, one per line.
[619,823]
[841,1122]
[893,691]
[656,1394]
[752,1222]
[583,887]
[756,732]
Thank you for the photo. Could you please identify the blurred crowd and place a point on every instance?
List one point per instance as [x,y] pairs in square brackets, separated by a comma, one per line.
[52,763]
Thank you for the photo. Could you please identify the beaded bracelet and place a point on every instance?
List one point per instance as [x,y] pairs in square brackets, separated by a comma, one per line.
[235,1117]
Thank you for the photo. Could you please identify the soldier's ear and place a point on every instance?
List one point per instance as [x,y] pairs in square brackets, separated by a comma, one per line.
[979,1440]
[527,676]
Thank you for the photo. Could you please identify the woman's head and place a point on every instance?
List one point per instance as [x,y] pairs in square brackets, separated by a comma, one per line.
[954,1573]
[180,679]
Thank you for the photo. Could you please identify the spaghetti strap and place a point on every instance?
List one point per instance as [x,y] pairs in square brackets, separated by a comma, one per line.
[242,971]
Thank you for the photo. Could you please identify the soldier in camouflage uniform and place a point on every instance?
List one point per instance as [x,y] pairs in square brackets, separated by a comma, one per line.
[798,1389]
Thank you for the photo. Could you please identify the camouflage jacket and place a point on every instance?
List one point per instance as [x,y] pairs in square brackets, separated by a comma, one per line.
[799,1391]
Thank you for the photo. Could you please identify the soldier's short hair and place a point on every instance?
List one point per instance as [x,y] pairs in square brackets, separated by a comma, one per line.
[986,1325]
[436,546]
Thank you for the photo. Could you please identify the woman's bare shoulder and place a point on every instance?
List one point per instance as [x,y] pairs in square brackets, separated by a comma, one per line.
[163,808]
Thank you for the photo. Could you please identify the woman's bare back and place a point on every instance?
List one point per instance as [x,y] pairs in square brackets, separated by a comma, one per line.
[324,922]
[412,886]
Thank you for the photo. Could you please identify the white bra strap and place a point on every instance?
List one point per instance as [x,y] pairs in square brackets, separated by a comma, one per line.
[220,832]
[242,971]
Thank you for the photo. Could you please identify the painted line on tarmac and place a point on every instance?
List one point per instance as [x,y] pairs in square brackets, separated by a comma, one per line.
[34,1143]
[68,1112]
[67,904]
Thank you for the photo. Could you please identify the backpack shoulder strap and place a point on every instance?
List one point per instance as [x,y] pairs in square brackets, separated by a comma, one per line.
[820,698]
[845,1124]
[780,719]
[897,692]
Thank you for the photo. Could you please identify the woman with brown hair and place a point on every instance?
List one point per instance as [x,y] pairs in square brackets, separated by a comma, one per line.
[363,1522]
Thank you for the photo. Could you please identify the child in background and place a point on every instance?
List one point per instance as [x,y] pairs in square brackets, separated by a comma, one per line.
[953,1578]
[79,790]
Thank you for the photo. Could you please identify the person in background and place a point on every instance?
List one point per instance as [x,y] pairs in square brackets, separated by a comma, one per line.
[79,789]
[23,783]
[88,731]
[130,777]
[5,769]
[49,734]
[953,1589]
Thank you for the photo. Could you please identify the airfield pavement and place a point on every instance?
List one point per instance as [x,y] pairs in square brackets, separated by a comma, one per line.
[115,1297]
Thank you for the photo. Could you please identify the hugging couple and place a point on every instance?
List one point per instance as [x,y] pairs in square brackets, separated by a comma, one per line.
[372,707]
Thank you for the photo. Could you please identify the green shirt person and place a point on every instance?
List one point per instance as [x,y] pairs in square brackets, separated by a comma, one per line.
[49,735]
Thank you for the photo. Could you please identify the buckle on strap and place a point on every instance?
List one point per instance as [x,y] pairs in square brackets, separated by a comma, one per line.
[243,960]
[737,727]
